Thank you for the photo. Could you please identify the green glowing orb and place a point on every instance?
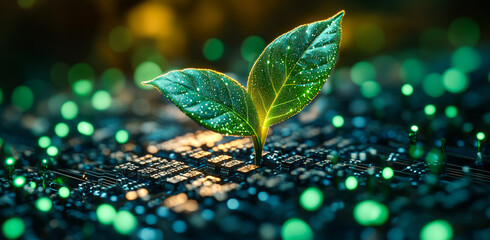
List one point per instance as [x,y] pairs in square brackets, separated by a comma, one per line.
[338,121]
[44,204]
[371,213]
[64,192]
[85,128]
[466,59]
[82,87]
[414,128]
[351,183]
[52,151]
[10,161]
[145,71]
[295,229]
[451,111]
[252,47]
[101,100]
[61,130]
[362,72]
[437,230]
[106,213]
[388,173]
[455,81]
[213,49]
[13,228]
[44,142]
[19,181]
[480,136]
[430,110]
[22,98]
[311,199]
[122,136]
[370,89]
[407,89]
[433,85]
[125,222]
[69,110]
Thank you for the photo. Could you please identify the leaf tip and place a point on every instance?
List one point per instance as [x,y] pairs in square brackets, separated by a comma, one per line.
[147,83]
[340,14]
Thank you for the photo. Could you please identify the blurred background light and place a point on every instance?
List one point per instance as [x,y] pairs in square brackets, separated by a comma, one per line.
[213,49]
[146,71]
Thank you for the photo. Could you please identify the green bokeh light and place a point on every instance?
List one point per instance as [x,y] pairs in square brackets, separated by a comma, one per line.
[22,98]
[82,87]
[407,89]
[295,229]
[480,136]
[19,181]
[113,80]
[146,71]
[81,71]
[61,130]
[437,230]
[338,121]
[311,199]
[370,89]
[414,128]
[32,185]
[125,222]
[44,204]
[213,49]
[362,72]
[433,85]
[69,110]
[416,151]
[52,151]
[351,183]
[85,128]
[369,37]
[463,32]
[10,161]
[13,228]
[412,70]
[122,136]
[64,192]
[252,47]
[429,110]
[451,111]
[120,39]
[371,213]
[466,59]
[455,81]
[388,173]
[106,213]
[44,142]
[101,100]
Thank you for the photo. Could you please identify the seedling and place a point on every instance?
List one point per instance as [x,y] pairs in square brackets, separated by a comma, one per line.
[288,74]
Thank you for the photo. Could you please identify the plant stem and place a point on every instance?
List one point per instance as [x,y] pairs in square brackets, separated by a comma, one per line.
[259,142]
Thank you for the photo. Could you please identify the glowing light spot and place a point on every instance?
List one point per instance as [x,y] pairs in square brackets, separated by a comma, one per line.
[455,81]
[44,204]
[480,136]
[82,87]
[44,142]
[120,39]
[432,85]
[338,121]
[466,59]
[351,183]
[64,192]
[412,70]
[105,213]
[451,111]
[369,38]
[311,199]
[387,173]
[85,128]
[22,98]
[52,151]
[463,32]
[69,110]
[146,71]
[19,181]
[430,110]
[370,89]
[296,228]
[13,228]
[371,213]
[437,230]
[213,49]
[252,47]
[414,128]
[233,204]
[407,89]
[113,80]
[122,136]
[61,130]
[101,100]
[10,161]
[416,151]
[361,72]
[125,222]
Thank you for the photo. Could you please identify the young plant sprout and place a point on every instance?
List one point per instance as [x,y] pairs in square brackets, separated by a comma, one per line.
[288,74]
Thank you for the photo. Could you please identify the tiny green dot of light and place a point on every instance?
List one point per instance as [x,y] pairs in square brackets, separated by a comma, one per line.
[387,173]
[44,204]
[122,136]
[10,161]
[338,121]
[311,199]
[64,192]
[407,89]
[52,151]
[430,109]
[19,181]
[44,142]
[414,128]
[351,183]
[62,130]
[480,136]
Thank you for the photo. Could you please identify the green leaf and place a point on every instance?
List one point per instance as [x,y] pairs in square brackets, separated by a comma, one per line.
[212,99]
[292,70]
